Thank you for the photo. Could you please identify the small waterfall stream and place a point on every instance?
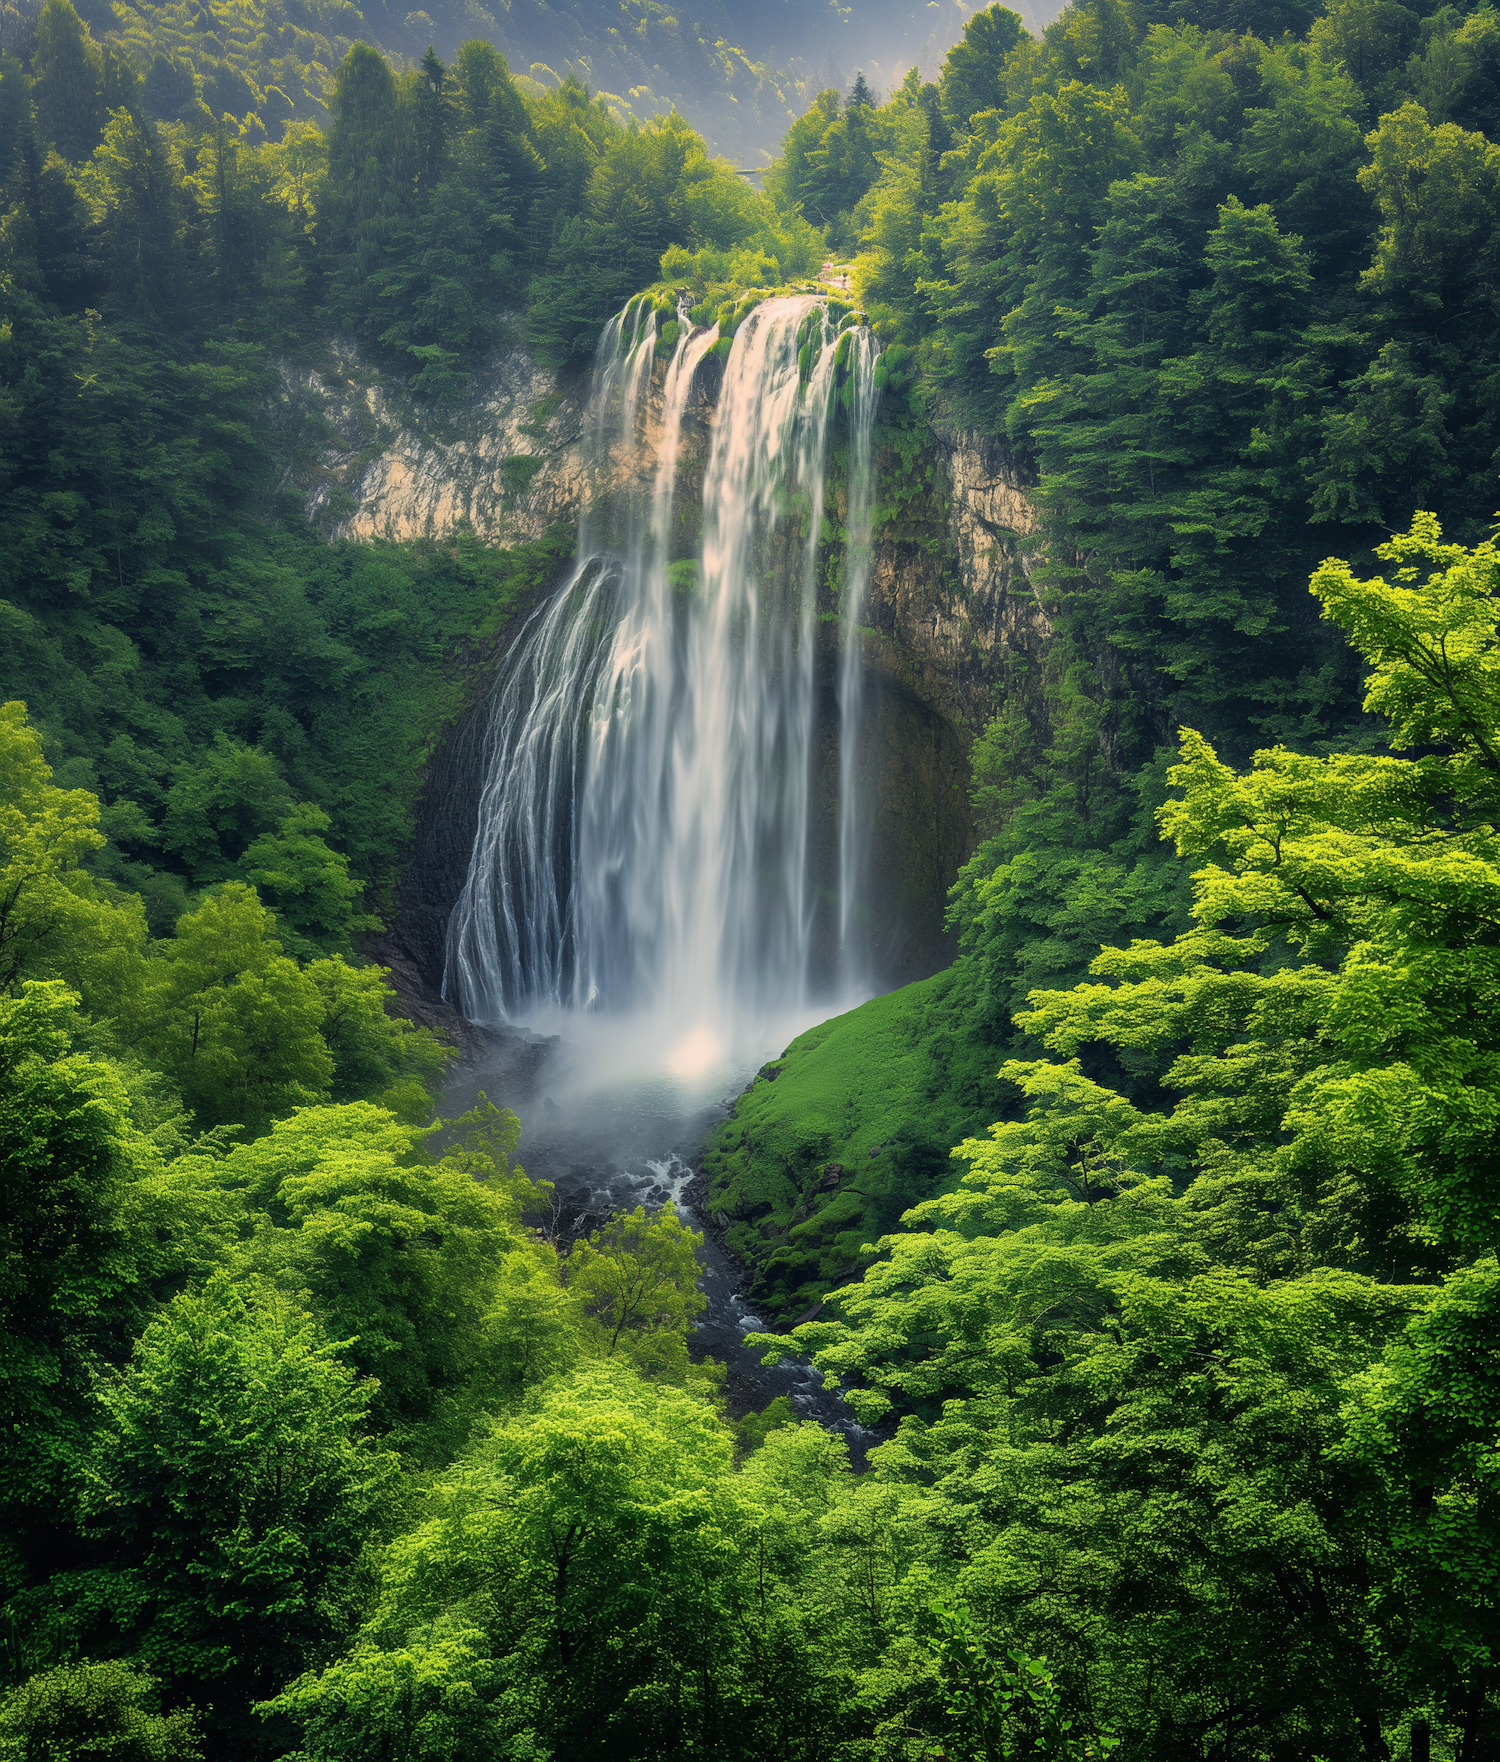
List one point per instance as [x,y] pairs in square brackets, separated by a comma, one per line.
[660,870]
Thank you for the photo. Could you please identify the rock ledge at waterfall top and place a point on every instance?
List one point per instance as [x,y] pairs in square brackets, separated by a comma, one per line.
[948,599]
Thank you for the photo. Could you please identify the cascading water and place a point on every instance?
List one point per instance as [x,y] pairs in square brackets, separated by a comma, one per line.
[649,841]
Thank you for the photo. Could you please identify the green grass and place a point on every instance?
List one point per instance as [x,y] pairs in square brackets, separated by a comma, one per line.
[848,1128]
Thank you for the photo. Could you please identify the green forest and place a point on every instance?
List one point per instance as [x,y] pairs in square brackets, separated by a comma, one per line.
[1154,1239]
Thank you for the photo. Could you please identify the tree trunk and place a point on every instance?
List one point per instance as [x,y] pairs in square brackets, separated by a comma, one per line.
[1471,1745]
[1373,1739]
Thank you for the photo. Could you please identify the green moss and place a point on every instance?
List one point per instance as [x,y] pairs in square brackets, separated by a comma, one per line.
[516,474]
[540,414]
[847,1129]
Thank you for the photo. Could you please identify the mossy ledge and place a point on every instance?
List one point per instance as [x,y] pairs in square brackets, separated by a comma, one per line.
[848,1128]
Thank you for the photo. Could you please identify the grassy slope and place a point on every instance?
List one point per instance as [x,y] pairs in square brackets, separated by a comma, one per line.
[850,1126]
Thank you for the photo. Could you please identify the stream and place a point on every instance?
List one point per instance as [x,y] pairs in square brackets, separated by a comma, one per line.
[613,1127]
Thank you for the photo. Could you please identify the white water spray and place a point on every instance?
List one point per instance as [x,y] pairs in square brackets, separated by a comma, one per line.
[649,841]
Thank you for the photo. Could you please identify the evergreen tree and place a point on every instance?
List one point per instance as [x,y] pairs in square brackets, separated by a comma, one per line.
[68,73]
[974,66]
[147,249]
[367,189]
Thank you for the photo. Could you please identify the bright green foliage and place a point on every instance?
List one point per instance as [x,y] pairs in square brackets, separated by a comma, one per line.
[67,1246]
[396,1255]
[999,1708]
[636,1280]
[231,1019]
[849,1127]
[306,884]
[1218,287]
[374,1053]
[853,1123]
[1178,1347]
[1421,1425]
[1063,1324]
[440,1699]
[243,1033]
[215,809]
[755,1428]
[585,1553]
[235,1494]
[56,921]
[530,1332]
[93,1713]
[1185,1364]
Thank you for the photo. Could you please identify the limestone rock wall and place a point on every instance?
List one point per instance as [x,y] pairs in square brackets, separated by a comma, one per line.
[951,601]
[951,623]
[949,592]
[373,463]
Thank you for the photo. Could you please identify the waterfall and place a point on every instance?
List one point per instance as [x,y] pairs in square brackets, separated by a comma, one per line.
[650,838]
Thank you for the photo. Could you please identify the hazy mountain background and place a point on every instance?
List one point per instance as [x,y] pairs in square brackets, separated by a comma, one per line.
[739,72]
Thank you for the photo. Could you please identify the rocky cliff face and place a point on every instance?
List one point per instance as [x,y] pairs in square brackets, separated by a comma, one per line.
[950,619]
[509,464]
[950,611]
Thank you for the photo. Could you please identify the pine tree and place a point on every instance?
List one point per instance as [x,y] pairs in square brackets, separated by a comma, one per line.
[369,172]
[972,69]
[69,75]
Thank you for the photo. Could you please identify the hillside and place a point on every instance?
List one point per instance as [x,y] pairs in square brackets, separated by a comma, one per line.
[739,75]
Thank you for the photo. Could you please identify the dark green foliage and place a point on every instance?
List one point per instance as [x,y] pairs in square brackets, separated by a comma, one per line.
[1224,297]
[1174,1350]
[1191,1346]
[194,665]
[755,1428]
[68,73]
[974,68]
[828,163]
[1204,284]
[633,209]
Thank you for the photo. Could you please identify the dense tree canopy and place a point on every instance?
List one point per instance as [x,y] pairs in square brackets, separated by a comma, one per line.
[321,1440]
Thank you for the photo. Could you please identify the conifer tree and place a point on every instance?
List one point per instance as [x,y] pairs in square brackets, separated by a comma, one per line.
[68,71]
[973,67]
